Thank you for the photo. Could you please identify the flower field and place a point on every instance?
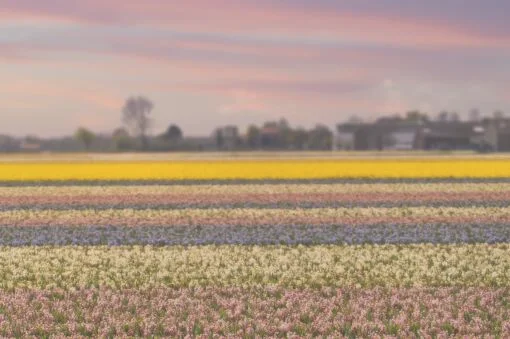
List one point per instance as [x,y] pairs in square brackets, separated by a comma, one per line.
[242,169]
[411,247]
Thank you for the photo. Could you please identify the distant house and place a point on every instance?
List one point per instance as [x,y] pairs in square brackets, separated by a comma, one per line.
[345,137]
[401,134]
[452,135]
[198,144]
[404,137]
[30,146]
[496,135]
[382,135]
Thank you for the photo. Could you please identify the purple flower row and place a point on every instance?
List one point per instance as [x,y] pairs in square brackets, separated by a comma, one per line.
[255,235]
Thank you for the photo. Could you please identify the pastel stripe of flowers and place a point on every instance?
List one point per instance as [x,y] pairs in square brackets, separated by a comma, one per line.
[256,312]
[255,248]
[232,189]
[425,265]
[255,235]
[289,200]
[251,217]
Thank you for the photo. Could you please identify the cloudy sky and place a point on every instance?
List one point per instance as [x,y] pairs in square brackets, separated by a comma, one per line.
[204,63]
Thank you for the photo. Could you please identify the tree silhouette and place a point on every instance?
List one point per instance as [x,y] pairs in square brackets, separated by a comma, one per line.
[85,136]
[173,133]
[253,136]
[135,115]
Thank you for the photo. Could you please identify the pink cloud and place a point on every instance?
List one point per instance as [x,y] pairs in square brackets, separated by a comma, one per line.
[235,17]
[271,61]
[303,73]
[12,53]
[96,98]
[242,57]
[243,101]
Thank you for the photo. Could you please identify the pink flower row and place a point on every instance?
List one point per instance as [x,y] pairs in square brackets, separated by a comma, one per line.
[183,220]
[253,198]
[263,311]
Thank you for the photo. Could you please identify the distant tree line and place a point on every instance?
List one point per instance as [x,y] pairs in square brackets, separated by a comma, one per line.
[443,116]
[280,135]
[134,134]
[272,135]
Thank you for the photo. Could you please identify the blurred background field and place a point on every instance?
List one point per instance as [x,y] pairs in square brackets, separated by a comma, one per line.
[80,156]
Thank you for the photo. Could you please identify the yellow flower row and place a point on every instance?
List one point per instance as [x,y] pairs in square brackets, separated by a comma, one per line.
[316,266]
[255,169]
[128,190]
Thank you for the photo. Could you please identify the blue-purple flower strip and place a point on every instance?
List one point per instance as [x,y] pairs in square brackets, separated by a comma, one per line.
[253,235]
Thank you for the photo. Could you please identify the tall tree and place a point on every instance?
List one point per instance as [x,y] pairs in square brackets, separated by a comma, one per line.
[253,137]
[173,133]
[220,140]
[136,116]
[320,138]
[85,136]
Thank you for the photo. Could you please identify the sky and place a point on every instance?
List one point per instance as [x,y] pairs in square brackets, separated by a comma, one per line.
[206,63]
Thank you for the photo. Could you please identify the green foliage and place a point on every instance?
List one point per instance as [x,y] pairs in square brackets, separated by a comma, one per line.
[85,136]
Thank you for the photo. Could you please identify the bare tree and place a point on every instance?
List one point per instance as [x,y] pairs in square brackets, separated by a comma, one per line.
[135,115]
